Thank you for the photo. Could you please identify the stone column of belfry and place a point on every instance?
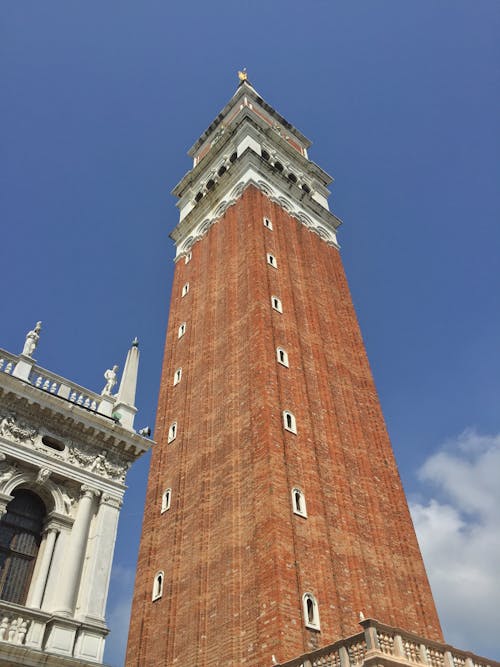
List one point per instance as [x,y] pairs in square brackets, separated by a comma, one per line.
[275,394]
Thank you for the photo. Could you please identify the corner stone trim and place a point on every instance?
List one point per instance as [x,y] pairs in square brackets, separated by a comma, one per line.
[274,195]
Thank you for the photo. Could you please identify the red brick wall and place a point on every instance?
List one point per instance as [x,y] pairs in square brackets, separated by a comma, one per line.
[236,559]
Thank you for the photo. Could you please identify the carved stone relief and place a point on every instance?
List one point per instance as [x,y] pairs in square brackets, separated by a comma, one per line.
[84,455]
[10,427]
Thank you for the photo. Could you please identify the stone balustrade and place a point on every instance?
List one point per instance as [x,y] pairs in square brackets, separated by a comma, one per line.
[59,386]
[382,644]
[8,362]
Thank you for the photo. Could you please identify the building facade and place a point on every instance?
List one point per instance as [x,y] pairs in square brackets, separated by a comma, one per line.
[64,454]
[275,516]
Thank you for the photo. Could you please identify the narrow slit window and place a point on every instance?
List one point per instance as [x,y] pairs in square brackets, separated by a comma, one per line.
[189,256]
[282,356]
[172,432]
[157,586]
[310,610]
[289,421]
[185,289]
[268,224]
[299,502]
[182,330]
[271,259]
[166,499]
[177,376]
[276,304]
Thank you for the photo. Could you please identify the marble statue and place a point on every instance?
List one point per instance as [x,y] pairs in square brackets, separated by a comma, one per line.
[31,341]
[110,377]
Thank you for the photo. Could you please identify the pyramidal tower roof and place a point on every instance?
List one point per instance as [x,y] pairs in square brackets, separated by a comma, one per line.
[246,96]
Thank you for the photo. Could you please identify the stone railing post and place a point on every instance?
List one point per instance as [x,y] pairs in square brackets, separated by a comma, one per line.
[72,565]
[448,659]
[344,657]
[424,654]
[371,638]
[399,648]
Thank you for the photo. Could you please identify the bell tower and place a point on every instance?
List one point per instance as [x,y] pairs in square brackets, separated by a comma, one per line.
[274,513]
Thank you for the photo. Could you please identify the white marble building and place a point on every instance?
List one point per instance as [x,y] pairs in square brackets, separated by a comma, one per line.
[64,454]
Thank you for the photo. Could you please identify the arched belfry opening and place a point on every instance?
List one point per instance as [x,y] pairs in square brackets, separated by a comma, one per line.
[20,536]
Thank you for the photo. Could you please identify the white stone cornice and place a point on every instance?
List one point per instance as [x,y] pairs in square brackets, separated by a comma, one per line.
[252,171]
[11,388]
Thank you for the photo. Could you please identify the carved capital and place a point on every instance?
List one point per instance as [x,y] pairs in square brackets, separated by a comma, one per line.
[112,501]
[87,491]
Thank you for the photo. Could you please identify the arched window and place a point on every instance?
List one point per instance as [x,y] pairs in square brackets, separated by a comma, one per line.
[157,586]
[188,257]
[271,259]
[172,432]
[185,289]
[282,356]
[20,537]
[289,421]
[299,502]
[182,330]
[310,611]
[276,304]
[268,224]
[177,376]
[166,499]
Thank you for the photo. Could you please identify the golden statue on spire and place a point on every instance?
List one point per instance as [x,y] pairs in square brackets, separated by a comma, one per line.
[242,75]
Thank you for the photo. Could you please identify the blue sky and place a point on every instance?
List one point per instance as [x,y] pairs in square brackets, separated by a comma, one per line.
[100,102]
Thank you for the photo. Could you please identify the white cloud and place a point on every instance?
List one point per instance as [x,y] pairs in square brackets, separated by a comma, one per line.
[118,614]
[458,528]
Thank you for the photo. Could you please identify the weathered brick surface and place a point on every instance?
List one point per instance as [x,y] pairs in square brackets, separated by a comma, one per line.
[236,559]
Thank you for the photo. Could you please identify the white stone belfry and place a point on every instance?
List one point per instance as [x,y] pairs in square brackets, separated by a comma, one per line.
[64,454]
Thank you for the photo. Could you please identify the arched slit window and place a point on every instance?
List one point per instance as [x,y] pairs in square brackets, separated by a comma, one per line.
[182,330]
[185,289]
[282,356]
[299,502]
[166,499]
[188,257]
[289,421]
[271,259]
[276,304]
[268,224]
[20,537]
[172,432]
[157,586]
[177,376]
[310,611]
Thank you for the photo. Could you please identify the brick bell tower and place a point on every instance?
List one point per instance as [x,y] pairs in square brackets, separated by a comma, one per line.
[274,512]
